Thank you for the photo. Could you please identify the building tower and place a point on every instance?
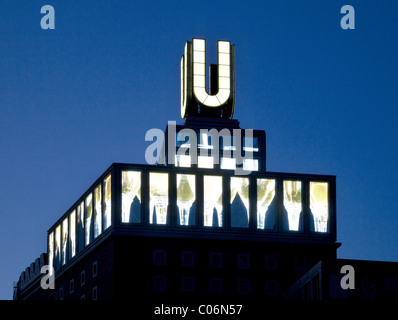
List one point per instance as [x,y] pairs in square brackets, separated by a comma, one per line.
[207,220]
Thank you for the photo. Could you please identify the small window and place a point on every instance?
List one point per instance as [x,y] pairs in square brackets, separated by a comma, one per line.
[95,269]
[205,162]
[216,285]
[72,286]
[61,293]
[83,297]
[159,257]
[83,278]
[215,259]
[270,262]
[271,287]
[250,164]
[159,283]
[243,286]
[187,259]
[94,293]
[188,284]
[243,261]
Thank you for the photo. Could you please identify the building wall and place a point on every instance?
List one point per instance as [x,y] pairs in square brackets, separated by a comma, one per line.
[88,278]
[162,268]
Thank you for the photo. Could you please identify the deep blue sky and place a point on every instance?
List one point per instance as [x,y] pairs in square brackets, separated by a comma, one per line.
[78,98]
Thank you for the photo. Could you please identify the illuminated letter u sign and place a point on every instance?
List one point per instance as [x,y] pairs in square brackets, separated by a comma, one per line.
[195,100]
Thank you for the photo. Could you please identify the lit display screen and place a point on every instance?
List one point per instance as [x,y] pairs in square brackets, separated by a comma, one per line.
[239,202]
[65,229]
[80,226]
[158,198]
[51,250]
[266,204]
[212,198]
[292,205]
[89,213]
[131,196]
[319,206]
[186,199]
[107,202]
[72,233]
[97,211]
[57,251]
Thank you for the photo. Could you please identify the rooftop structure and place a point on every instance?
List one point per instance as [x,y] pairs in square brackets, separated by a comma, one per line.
[206,219]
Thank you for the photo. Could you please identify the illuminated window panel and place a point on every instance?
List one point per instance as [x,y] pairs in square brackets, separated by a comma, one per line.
[186,199]
[224,83]
[199,80]
[65,229]
[57,248]
[158,198]
[107,219]
[239,202]
[72,233]
[212,201]
[199,44]
[292,203]
[266,204]
[89,215]
[223,46]
[205,162]
[319,205]
[80,226]
[250,164]
[224,71]
[199,69]
[97,211]
[228,163]
[131,196]
[224,58]
[183,161]
[51,251]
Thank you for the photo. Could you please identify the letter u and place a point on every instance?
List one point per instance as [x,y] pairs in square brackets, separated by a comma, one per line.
[193,79]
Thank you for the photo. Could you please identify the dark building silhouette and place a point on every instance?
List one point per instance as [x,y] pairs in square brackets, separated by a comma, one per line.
[201,229]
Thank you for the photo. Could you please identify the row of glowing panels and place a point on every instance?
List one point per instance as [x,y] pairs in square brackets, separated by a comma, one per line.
[83,225]
[209,163]
[92,216]
[213,201]
[225,142]
[199,73]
